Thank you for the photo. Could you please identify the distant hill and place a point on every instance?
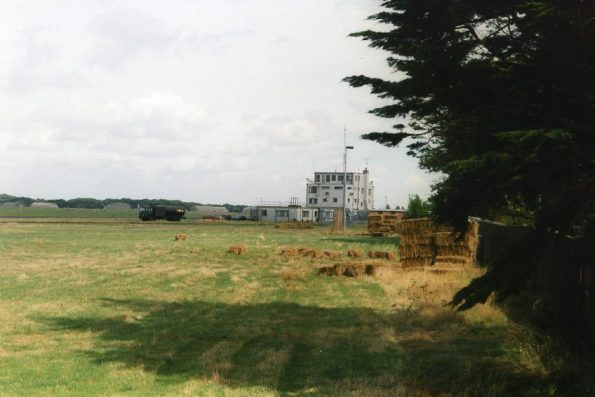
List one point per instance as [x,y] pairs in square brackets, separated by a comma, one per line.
[91,203]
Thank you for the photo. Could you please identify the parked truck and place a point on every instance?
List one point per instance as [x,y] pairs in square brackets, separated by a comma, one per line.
[155,212]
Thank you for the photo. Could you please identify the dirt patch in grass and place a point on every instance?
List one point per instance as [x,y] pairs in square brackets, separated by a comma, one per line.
[295,225]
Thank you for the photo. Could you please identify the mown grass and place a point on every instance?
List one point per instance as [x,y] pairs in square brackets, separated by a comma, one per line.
[102,308]
[63,214]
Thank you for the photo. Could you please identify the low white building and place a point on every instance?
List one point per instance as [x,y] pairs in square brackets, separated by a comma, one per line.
[209,210]
[44,205]
[14,204]
[324,194]
[285,212]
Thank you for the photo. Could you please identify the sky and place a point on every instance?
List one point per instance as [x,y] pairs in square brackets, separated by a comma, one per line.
[227,101]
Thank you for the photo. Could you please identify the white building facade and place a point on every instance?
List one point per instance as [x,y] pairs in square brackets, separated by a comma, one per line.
[324,193]
[326,190]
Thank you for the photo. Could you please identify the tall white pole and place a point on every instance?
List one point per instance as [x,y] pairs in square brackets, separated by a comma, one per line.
[344,176]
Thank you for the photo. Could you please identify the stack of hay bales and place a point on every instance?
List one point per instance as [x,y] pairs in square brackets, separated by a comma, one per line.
[424,243]
[416,248]
[384,222]
[450,250]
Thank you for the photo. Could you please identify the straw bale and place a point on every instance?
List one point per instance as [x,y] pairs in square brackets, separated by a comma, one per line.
[454,259]
[332,254]
[423,243]
[355,253]
[415,226]
[180,237]
[385,223]
[313,253]
[348,270]
[237,249]
[416,261]
[453,251]
[381,255]
[289,251]
[445,239]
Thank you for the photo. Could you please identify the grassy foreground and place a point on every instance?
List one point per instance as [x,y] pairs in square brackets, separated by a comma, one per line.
[103,308]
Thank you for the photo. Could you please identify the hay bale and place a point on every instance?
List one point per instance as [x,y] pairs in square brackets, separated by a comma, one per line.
[289,251]
[416,262]
[348,270]
[332,254]
[312,253]
[237,249]
[326,271]
[355,253]
[309,252]
[424,243]
[381,255]
[384,222]
[180,237]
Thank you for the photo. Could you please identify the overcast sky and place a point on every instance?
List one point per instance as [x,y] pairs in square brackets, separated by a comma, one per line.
[199,100]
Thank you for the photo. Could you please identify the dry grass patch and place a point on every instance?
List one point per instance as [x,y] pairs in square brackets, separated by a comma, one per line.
[292,273]
[294,225]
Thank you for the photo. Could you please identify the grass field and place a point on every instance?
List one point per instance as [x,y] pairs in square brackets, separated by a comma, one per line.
[61,214]
[119,308]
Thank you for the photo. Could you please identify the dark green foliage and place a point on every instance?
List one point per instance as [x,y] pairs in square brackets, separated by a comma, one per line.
[7,198]
[91,203]
[498,96]
[417,208]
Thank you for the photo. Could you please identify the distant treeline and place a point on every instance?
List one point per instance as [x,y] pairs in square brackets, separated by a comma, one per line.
[92,203]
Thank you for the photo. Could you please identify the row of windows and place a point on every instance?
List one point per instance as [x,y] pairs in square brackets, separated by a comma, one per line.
[285,213]
[324,200]
[314,189]
[334,178]
[335,200]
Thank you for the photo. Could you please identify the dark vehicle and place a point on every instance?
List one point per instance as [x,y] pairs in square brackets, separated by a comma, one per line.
[155,212]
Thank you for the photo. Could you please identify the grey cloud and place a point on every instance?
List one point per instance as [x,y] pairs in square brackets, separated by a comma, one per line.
[218,100]
[125,34]
[41,63]
[310,128]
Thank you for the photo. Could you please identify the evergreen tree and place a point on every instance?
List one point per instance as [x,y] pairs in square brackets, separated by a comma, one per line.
[498,96]
[417,208]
